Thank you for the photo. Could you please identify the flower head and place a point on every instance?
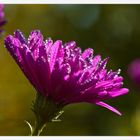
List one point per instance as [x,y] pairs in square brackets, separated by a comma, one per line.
[134,71]
[2,20]
[62,72]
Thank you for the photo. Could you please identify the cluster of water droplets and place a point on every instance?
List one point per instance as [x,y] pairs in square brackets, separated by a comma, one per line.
[70,59]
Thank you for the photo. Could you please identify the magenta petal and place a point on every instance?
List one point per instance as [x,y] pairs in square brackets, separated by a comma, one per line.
[29,67]
[102,65]
[87,53]
[71,45]
[53,54]
[108,107]
[35,40]
[118,79]
[96,60]
[48,44]
[119,92]
[13,44]
[20,36]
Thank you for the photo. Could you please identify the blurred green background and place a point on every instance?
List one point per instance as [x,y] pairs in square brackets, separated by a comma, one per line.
[111,30]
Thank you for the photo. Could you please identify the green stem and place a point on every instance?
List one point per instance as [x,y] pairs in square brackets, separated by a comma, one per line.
[38,129]
[45,110]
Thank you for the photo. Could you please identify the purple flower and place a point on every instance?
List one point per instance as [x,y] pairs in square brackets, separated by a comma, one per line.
[2,20]
[62,72]
[134,71]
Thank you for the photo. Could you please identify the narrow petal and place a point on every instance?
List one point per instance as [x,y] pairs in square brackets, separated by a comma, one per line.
[70,45]
[87,53]
[102,65]
[53,54]
[118,92]
[104,84]
[108,107]
[43,72]
[19,35]
[96,60]
[48,44]
[30,67]
[118,79]
[12,44]
[35,40]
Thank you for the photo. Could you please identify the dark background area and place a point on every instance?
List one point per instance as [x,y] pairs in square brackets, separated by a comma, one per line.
[111,30]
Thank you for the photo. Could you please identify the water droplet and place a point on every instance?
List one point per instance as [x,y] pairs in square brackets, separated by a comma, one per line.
[119,71]
[43,59]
